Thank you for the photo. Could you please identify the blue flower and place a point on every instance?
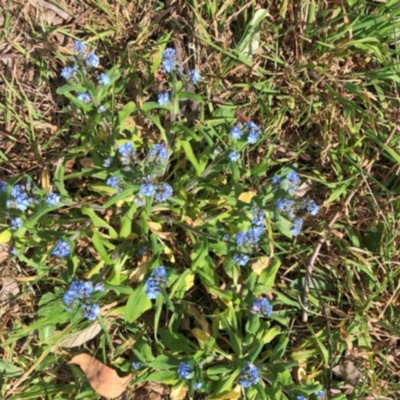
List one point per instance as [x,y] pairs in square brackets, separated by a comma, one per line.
[127,153]
[297,226]
[276,180]
[198,385]
[3,187]
[92,60]
[261,307]
[81,289]
[79,47]
[99,287]
[248,376]
[258,217]
[236,132]
[163,99]
[154,283]
[301,398]
[226,237]
[113,182]
[233,156]
[286,206]
[320,394]
[19,198]
[312,207]
[101,109]
[158,152]
[84,97]
[70,299]
[147,189]
[61,249]
[16,223]
[254,132]
[164,192]
[68,72]
[185,370]
[107,162]
[14,251]
[241,259]
[294,181]
[194,76]
[168,62]
[136,366]
[91,311]
[104,79]
[52,199]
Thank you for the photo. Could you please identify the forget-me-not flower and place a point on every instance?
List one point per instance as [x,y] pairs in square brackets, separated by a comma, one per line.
[104,79]
[163,99]
[261,306]
[84,97]
[234,156]
[92,60]
[249,375]
[155,282]
[61,249]
[185,370]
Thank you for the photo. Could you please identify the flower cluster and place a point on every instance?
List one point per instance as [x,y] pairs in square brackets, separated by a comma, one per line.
[162,191]
[294,207]
[251,131]
[20,197]
[185,370]
[168,61]
[79,293]
[249,375]
[261,306]
[248,240]
[61,249]
[16,223]
[155,282]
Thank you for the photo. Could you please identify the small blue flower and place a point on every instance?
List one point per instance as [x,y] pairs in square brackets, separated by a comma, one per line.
[198,385]
[297,226]
[168,62]
[312,207]
[91,311]
[92,60]
[258,217]
[234,156]
[99,287]
[3,187]
[320,394]
[136,366]
[163,99]
[158,152]
[301,398]
[254,132]
[294,181]
[84,97]
[226,237]
[286,206]
[107,162]
[276,180]
[185,370]
[142,250]
[236,132]
[19,198]
[104,79]
[154,283]
[114,182]
[52,199]
[261,306]
[127,153]
[101,109]
[68,72]
[248,376]
[147,189]
[241,259]
[79,47]
[16,223]
[14,251]
[164,192]
[61,249]
[194,76]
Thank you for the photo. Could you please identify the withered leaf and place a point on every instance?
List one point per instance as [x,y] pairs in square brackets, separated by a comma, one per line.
[104,380]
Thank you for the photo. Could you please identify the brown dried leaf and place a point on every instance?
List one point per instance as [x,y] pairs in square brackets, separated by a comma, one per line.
[9,289]
[104,380]
[348,372]
[78,338]
[179,392]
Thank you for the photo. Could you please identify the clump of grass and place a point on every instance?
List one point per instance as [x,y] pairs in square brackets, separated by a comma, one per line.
[198,225]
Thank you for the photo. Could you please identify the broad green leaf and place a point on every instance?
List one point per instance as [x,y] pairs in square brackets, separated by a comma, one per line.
[137,304]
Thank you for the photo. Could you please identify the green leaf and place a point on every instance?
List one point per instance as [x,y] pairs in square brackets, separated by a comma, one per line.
[164,361]
[126,222]
[98,243]
[170,377]
[137,304]
[127,110]
[191,157]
